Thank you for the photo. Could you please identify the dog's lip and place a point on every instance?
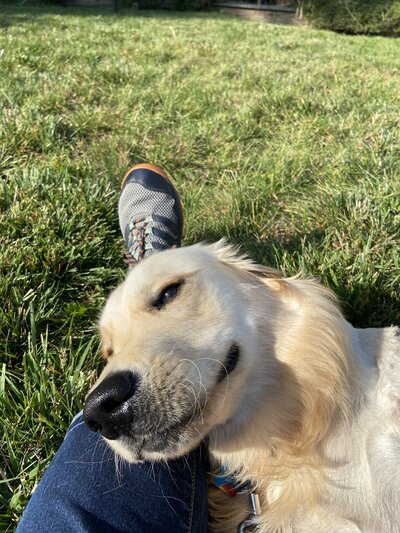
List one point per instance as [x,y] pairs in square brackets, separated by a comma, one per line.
[171,432]
[162,440]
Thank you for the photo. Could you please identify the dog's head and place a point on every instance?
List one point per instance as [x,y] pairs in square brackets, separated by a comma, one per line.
[201,343]
[181,336]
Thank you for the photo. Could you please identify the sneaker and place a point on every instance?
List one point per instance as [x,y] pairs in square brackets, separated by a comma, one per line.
[150,213]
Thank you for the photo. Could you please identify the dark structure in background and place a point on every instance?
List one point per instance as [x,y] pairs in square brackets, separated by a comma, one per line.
[370,17]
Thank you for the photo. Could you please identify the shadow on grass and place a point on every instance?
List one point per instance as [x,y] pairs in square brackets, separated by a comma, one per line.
[367,306]
[27,14]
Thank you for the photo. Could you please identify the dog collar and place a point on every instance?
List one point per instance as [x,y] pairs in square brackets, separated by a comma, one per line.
[229,484]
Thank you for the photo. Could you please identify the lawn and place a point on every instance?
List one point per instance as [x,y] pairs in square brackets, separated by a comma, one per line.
[283,139]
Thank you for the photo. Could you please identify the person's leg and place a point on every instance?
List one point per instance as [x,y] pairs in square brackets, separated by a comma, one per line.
[85,488]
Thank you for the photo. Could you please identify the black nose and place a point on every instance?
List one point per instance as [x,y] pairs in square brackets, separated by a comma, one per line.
[107,408]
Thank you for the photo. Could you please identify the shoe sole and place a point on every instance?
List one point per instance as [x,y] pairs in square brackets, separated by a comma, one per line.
[158,170]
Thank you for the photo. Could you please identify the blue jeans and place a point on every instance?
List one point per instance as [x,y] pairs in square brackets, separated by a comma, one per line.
[83,490]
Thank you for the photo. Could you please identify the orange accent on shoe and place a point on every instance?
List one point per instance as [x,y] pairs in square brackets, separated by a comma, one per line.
[148,167]
[159,171]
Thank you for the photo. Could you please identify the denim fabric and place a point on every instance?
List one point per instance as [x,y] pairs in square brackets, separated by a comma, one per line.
[85,490]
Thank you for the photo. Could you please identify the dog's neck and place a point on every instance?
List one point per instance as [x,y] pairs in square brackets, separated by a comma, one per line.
[314,466]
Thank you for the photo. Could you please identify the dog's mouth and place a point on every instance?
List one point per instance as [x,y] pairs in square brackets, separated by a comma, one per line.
[146,422]
[168,439]
[170,442]
[183,431]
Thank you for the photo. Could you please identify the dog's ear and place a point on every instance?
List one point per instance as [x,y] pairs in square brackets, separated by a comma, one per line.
[231,256]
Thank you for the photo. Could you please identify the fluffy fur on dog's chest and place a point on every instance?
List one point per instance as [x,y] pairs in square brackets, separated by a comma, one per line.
[346,481]
[309,410]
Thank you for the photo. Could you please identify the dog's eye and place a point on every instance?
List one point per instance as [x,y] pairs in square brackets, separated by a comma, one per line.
[167,294]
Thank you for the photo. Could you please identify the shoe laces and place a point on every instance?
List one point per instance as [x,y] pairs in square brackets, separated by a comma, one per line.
[141,244]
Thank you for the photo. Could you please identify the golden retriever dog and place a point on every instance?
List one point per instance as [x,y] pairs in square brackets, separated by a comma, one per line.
[201,343]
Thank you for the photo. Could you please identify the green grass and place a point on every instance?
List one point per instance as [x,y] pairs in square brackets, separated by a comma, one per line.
[284,139]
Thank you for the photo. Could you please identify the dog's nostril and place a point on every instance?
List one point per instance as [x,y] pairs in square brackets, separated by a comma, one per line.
[110,405]
[107,409]
[93,425]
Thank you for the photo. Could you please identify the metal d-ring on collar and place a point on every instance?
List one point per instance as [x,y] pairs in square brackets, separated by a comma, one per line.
[255,510]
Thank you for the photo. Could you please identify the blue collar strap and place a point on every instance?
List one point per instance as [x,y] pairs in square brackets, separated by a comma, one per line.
[229,484]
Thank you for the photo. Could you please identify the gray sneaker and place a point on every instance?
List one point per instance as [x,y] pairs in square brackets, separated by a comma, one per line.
[150,212]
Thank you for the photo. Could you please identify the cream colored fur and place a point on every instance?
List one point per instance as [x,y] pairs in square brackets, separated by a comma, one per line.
[311,413]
